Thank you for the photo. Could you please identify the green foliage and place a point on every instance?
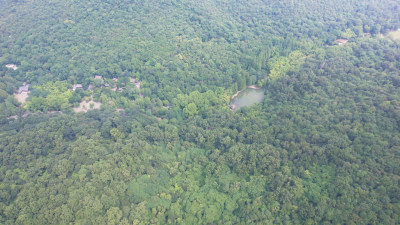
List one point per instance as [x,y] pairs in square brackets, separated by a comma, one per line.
[55,96]
[282,65]
[190,110]
[8,104]
[322,149]
[348,34]
[199,103]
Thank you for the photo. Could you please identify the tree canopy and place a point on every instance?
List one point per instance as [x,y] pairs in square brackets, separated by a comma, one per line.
[164,148]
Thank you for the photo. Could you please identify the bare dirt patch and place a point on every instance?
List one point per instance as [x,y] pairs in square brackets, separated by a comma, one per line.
[341,41]
[21,97]
[86,106]
[395,35]
[137,83]
[12,66]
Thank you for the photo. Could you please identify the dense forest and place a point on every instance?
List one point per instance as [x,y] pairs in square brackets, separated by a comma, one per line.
[127,117]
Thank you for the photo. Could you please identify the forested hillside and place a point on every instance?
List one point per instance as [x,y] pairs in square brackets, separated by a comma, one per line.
[127,117]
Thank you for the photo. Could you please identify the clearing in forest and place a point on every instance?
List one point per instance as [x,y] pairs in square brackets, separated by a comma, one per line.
[21,97]
[395,35]
[341,41]
[12,66]
[84,106]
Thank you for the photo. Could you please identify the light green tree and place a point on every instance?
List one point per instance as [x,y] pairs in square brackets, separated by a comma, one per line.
[190,110]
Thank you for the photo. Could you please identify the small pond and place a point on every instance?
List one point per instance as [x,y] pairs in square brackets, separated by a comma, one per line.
[247,97]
